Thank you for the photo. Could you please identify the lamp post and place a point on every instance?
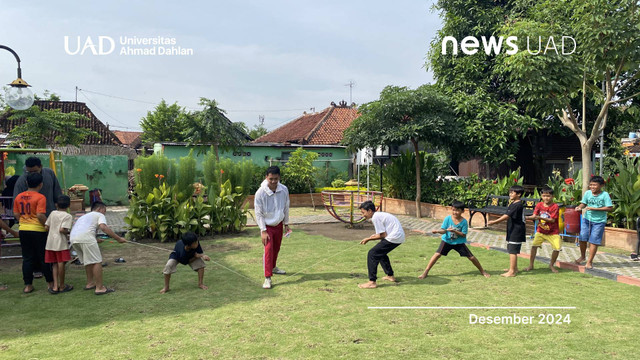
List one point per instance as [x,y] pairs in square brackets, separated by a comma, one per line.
[18,96]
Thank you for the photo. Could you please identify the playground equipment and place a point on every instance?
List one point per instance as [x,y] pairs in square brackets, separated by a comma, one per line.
[6,202]
[343,205]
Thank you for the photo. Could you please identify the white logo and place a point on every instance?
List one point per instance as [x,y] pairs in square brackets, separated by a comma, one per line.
[89,44]
[470,44]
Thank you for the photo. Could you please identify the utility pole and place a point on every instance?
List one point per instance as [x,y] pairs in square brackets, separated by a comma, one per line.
[76,94]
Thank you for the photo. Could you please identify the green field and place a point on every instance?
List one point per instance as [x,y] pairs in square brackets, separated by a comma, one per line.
[316,312]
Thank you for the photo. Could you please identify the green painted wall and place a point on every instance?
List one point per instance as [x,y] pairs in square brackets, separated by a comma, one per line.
[108,173]
[335,158]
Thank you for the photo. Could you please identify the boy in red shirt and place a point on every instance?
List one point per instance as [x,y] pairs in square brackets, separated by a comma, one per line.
[30,208]
[547,214]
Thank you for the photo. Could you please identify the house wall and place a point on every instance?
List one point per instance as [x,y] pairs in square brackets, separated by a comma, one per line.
[108,173]
[337,159]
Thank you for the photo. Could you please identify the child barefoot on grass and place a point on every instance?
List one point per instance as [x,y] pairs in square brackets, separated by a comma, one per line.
[454,237]
[515,228]
[547,213]
[186,251]
[57,250]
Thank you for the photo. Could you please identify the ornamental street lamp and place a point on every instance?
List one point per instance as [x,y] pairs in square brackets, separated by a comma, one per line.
[18,96]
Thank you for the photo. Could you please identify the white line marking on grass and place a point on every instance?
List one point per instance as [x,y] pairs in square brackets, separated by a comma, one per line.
[468,307]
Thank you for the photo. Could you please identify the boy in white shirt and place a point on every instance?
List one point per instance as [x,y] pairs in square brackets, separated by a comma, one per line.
[390,233]
[84,242]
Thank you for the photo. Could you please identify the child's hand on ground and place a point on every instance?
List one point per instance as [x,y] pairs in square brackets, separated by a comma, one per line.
[206,258]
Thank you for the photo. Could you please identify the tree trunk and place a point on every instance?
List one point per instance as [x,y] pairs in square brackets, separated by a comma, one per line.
[418,173]
[215,149]
[586,166]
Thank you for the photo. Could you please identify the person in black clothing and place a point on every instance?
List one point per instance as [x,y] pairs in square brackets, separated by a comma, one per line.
[515,228]
[7,192]
[187,252]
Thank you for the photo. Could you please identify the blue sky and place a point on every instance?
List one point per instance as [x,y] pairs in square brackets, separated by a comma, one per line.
[271,58]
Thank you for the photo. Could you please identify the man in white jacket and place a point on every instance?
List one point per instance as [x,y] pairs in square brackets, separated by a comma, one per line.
[271,204]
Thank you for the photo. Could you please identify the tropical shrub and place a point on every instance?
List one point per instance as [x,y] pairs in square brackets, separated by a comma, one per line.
[298,174]
[624,189]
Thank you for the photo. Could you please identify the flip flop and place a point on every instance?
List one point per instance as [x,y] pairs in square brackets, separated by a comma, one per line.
[67,288]
[52,292]
[28,292]
[105,292]
[90,288]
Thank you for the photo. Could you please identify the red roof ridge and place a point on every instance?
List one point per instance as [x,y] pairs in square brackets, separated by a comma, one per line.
[318,125]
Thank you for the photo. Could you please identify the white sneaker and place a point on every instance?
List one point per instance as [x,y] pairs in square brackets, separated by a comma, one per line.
[267,283]
[278,271]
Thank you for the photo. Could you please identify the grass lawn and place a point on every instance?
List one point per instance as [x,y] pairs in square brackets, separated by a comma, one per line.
[316,312]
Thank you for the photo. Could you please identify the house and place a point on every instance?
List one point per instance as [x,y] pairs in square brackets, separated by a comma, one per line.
[100,162]
[319,132]
[129,139]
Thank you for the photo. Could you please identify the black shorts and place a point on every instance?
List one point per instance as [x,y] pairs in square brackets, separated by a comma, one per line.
[514,248]
[462,249]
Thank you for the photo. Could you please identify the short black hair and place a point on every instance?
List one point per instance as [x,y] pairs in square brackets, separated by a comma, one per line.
[33,161]
[63,201]
[98,205]
[517,189]
[273,170]
[34,179]
[597,179]
[368,206]
[458,205]
[546,190]
[189,238]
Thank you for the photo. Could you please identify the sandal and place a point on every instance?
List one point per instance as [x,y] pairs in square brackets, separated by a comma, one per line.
[105,292]
[634,257]
[28,292]
[67,288]
[52,292]
[90,288]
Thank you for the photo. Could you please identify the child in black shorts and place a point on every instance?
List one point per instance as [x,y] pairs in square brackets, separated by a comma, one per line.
[454,237]
[515,228]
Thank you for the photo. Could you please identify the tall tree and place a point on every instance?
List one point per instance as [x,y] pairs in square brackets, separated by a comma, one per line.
[211,126]
[492,117]
[164,123]
[402,114]
[53,128]
[604,70]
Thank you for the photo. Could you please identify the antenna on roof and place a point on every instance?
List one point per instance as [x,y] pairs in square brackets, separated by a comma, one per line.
[351,84]
[261,120]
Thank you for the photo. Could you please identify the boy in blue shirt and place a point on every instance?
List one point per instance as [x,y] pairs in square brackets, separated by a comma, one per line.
[187,252]
[596,203]
[454,237]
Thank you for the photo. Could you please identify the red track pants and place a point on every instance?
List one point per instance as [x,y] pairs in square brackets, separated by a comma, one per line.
[272,249]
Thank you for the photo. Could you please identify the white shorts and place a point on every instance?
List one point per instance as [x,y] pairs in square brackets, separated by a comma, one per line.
[88,253]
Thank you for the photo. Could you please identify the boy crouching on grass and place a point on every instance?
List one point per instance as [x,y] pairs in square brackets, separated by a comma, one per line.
[454,237]
[187,251]
[547,213]
[390,233]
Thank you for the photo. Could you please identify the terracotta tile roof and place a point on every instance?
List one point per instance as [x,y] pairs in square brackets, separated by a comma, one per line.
[130,138]
[106,136]
[322,128]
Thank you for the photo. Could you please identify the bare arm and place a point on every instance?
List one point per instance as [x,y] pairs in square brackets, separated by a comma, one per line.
[374,237]
[500,219]
[6,228]
[110,232]
[42,217]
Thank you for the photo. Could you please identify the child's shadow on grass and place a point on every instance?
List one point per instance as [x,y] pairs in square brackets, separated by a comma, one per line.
[325,276]
[429,280]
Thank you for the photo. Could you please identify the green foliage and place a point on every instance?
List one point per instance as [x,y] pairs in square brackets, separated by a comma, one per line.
[400,175]
[337,183]
[41,125]
[298,174]
[245,174]
[186,175]
[151,171]
[164,123]
[211,126]
[624,188]
[567,191]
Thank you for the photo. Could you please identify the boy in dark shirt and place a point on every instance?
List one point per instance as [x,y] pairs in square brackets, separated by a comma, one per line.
[515,228]
[186,251]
